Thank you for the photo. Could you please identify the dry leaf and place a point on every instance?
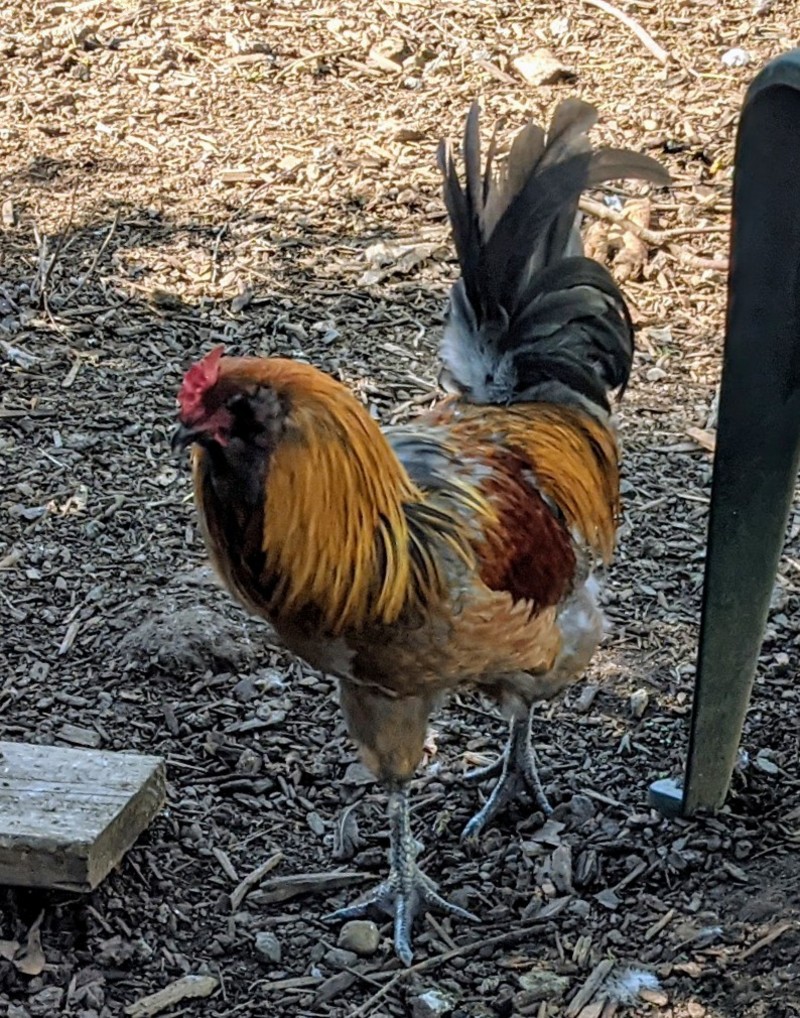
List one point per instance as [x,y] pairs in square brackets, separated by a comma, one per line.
[32,960]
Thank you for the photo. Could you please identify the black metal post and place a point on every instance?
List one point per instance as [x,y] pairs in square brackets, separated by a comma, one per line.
[758,435]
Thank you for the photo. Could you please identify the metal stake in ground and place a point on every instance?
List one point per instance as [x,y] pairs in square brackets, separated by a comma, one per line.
[758,438]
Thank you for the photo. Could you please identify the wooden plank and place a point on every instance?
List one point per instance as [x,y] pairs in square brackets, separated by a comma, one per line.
[67,816]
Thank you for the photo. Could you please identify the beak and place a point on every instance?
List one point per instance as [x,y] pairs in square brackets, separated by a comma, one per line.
[182,437]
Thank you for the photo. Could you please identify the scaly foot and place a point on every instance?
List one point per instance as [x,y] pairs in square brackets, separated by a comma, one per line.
[516,775]
[408,891]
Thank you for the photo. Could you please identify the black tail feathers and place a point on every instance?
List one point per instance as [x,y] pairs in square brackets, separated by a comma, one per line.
[530,317]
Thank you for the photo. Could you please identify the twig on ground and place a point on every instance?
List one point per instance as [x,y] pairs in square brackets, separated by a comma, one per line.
[593,982]
[98,255]
[766,940]
[500,940]
[697,261]
[253,879]
[656,238]
[641,34]
[46,272]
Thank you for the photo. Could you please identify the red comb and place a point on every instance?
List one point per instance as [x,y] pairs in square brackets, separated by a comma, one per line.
[197,380]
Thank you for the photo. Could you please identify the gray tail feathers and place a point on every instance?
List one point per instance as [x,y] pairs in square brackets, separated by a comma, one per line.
[530,317]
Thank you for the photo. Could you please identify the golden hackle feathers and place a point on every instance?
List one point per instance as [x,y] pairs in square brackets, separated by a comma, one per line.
[345,529]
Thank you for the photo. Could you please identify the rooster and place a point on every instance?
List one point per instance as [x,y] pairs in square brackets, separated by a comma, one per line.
[459,549]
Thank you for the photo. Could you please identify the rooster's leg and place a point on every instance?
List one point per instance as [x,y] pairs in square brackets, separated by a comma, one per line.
[408,890]
[517,774]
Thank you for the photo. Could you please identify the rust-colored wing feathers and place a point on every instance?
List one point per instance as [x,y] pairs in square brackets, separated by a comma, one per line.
[574,461]
[551,476]
[526,550]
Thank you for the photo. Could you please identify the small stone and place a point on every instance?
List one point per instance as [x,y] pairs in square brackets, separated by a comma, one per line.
[638,702]
[316,823]
[608,899]
[249,762]
[657,997]
[736,58]
[338,958]
[431,1004]
[541,68]
[268,947]
[765,764]
[357,774]
[361,936]
[656,375]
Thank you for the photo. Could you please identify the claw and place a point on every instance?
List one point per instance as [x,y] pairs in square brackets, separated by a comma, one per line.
[407,892]
[518,775]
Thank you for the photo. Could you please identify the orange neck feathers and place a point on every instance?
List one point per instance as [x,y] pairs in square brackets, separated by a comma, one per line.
[336,535]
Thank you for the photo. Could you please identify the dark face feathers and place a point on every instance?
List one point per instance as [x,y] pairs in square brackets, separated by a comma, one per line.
[215,410]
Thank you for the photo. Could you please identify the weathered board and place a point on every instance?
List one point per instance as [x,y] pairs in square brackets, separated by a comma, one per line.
[67,816]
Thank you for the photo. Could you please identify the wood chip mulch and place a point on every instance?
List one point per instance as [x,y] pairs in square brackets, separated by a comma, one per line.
[174,175]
